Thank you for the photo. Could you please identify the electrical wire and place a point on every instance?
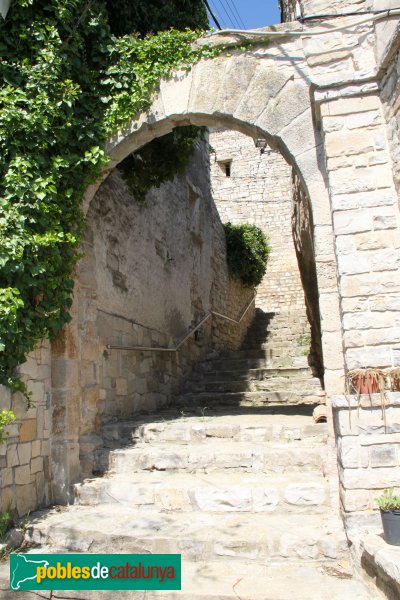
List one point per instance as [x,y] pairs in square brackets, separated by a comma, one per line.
[212,14]
[233,17]
[240,20]
[226,12]
[376,16]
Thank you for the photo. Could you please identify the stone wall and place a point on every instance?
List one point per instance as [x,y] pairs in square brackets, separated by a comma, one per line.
[365,216]
[25,475]
[303,238]
[390,95]
[259,190]
[368,455]
[290,9]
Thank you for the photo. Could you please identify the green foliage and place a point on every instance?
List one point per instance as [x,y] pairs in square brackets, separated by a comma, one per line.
[146,16]
[159,161]
[388,500]
[67,82]
[6,418]
[6,520]
[247,251]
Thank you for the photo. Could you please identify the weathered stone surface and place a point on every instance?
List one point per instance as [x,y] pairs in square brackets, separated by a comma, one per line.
[305,494]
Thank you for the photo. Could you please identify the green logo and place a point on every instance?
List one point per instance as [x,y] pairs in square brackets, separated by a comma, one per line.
[95,571]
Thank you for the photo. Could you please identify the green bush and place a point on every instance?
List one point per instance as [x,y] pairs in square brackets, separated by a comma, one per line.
[6,520]
[247,252]
[6,418]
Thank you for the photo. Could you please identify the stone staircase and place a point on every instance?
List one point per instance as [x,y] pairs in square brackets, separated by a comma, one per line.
[270,367]
[245,490]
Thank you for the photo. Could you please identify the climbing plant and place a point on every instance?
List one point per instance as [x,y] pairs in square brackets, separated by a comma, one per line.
[247,252]
[67,83]
[159,161]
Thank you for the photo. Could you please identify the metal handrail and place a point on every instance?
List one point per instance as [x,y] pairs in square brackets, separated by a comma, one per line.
[187,336]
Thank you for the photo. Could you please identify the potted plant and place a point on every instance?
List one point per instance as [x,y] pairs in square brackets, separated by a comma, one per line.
[370,380]
[389,505]
[394,378]
[366,381]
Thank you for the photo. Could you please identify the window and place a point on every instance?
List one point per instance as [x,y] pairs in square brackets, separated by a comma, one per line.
[226,166]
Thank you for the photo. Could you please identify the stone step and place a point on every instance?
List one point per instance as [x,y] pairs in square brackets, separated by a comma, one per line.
[255,580]
[232,363]
[225,580]
[260,374]
[310,384]
[209,492]
[216,456]
[195,535]
[280,424]
[260,398]
[264,353]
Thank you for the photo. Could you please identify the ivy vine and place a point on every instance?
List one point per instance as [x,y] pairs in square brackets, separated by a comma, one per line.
[67,83]
[160,160]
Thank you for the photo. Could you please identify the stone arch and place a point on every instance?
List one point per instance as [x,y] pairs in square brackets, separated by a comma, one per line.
[260,97]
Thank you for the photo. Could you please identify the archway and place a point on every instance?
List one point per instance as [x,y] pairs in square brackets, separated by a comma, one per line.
[258,99]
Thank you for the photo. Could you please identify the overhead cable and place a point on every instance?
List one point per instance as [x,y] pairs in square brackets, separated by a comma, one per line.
[372,16]
[240,20]
[212,14]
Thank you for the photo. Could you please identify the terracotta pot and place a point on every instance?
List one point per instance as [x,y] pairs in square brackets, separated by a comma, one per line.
[395,383]
[365,384]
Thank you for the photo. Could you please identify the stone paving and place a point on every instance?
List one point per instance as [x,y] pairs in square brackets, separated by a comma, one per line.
[247,495]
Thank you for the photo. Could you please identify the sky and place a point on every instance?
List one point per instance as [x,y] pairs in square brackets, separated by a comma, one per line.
[250,13]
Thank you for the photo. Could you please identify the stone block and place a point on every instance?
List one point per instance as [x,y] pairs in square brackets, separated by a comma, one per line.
[354,500]
[362,200]
[24,453]
[341,143]
[351,179]
[234,499]
[7,499]
[6,477]
[36,446]
[363,119]
[351,221]
[65,373]
[121,386]
[26,498]
[172,102]
[373,356]
[369,320]
[12,456]
[383,455]
[351,455]
[306,494]
[369,285]
[384,222]
[349,106]
[37,464]
[23,475]
[265,500]
[368,479]
[37,389]
[267,82]
[354,263]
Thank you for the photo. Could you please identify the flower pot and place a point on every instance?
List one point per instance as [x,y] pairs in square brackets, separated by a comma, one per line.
[395,382]
[391,526]
[365,384]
